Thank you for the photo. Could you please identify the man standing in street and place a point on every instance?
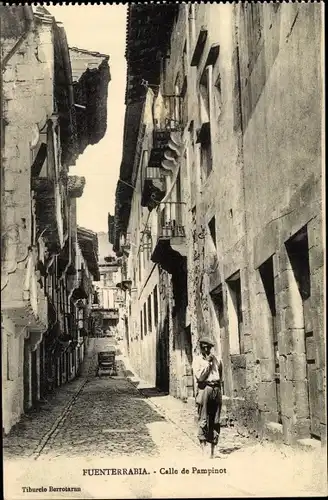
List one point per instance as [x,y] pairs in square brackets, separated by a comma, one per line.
[208,372]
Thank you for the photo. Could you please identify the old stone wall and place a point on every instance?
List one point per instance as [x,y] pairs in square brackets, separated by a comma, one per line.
[27,103]
[12,349]
[27,98]
[250,178]
[282,195]
[143,345]
[140,270]
[214,197]
[263,187]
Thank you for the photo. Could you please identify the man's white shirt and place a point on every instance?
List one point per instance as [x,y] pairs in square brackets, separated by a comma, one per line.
[200,369]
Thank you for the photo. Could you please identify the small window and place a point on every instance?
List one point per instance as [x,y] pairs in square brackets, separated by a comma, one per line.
[8,358]
[141,325]
[218,96]
[298,252]
[212,228]
[206,159]
[145,318]
[155,306]
[149,314]
[235,315]
[204,98]
[217,299]
[204,133]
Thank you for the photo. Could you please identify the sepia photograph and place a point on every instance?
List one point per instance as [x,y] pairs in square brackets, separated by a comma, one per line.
[163,327]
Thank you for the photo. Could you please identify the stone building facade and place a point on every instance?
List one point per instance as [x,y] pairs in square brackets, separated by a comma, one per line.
[221,191]
[109,300]
[40,139]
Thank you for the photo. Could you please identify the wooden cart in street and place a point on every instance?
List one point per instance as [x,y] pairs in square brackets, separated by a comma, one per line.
[107,362]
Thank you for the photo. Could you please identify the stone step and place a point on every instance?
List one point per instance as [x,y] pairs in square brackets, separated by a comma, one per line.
[273,432]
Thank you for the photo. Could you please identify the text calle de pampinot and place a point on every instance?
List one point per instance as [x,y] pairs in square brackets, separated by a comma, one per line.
[143,471]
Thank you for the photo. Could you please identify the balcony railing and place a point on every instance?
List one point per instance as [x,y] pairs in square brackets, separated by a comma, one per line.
[112,313]
[170,243]
[170,220]
[126,242]
[171,230]
[168,120]
[155,173]
[169,117]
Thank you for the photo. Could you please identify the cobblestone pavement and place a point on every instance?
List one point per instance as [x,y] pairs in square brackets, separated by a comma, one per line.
[97,420]
[185,416]
[26,438]
[112,418]
[108,417]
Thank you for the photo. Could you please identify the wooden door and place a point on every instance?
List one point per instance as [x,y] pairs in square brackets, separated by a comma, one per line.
[163,370]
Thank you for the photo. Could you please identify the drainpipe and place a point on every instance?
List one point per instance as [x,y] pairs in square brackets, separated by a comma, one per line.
[29,18]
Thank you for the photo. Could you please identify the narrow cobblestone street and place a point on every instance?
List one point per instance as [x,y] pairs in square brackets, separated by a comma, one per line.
[109,416]
[162,264]
[120,422]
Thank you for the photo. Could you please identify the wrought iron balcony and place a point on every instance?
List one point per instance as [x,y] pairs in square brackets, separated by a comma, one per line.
[167,123]
[153,187]
[172,230]
[107,313]
[126,243]
[170,245]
